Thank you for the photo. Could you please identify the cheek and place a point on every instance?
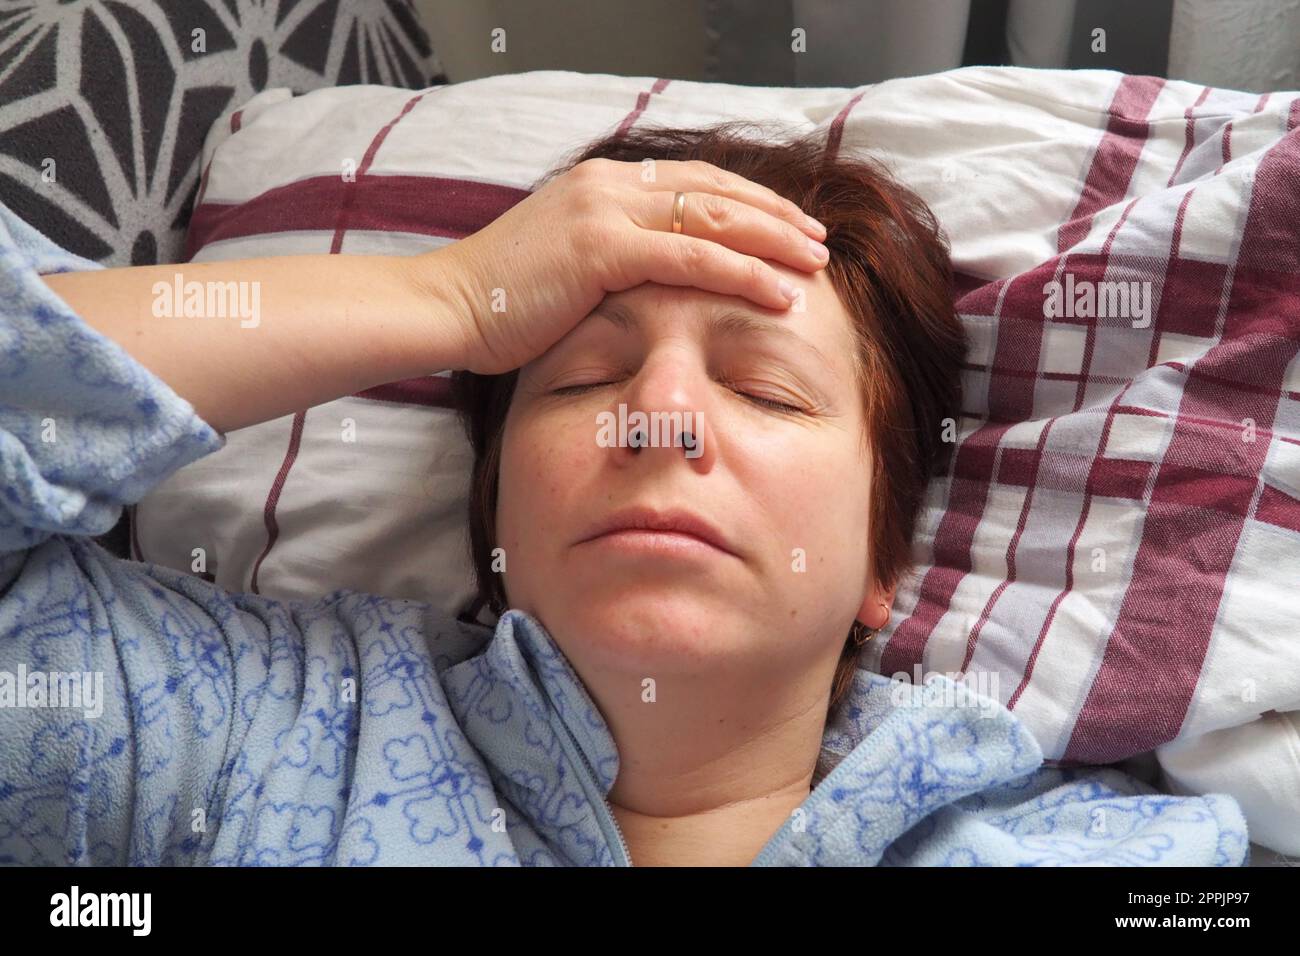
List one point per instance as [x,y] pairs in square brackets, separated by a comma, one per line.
[817,494]
[542,464]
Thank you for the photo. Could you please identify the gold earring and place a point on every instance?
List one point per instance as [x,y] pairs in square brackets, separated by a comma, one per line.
[861,633]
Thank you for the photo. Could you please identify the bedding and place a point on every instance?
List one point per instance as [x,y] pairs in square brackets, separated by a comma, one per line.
[356,730]
[1116,546]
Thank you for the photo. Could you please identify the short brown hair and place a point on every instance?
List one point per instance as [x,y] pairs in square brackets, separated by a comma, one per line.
[890,267]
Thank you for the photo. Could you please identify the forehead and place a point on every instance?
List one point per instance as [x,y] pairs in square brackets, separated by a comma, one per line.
[821,319]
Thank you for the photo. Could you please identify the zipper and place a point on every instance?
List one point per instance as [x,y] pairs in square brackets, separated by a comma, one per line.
[609,809]
[622,841]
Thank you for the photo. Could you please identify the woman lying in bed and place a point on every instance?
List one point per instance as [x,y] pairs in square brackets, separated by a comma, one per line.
[672,678]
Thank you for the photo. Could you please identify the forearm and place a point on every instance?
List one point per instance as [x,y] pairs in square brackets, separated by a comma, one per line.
[250,340]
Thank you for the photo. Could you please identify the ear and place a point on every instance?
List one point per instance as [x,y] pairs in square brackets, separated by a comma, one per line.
[876,607]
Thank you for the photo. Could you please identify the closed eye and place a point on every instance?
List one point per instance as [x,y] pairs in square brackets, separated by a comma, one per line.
[760,400]
[579,389]
[771,403]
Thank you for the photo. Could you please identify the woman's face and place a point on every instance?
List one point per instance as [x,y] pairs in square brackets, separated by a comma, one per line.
[787,488]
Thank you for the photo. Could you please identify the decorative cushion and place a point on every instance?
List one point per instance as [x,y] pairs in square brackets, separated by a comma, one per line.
[104,106]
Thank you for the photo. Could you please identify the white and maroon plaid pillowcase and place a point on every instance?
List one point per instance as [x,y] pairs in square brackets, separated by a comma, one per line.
[1110,546]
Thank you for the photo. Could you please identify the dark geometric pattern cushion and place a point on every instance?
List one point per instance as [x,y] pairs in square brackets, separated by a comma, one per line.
[104,105]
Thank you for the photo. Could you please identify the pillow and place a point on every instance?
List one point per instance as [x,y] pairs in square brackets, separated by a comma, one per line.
[1114,552]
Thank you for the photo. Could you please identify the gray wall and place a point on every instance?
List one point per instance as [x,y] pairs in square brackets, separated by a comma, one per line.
[1241,44]
[627,37]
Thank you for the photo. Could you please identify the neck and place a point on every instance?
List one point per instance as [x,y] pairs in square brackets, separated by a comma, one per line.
[727,835]
[711,767]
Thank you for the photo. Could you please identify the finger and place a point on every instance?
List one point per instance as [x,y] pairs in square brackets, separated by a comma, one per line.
[686,261]
[699,176]
[736,225]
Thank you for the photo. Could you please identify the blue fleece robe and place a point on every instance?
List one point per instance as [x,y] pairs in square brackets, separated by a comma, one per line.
[356,729]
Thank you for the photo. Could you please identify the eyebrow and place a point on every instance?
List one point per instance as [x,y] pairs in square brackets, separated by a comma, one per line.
[727,322]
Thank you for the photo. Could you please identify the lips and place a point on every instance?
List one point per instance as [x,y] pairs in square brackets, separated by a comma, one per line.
[647,519]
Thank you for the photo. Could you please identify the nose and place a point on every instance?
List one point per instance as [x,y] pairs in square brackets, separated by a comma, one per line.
[670,391]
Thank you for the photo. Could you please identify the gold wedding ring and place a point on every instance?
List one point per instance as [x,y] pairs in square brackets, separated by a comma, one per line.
[679,207]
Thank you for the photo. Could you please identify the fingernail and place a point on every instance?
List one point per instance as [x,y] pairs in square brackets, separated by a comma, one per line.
[818,250]
[817,226]
[787,289]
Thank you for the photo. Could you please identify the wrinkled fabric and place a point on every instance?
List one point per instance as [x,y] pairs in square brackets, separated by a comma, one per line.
[235,729]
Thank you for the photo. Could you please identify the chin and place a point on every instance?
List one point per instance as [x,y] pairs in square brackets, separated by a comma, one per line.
[647,628]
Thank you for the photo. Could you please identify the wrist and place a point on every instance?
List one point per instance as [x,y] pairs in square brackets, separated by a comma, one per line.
[436,299]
